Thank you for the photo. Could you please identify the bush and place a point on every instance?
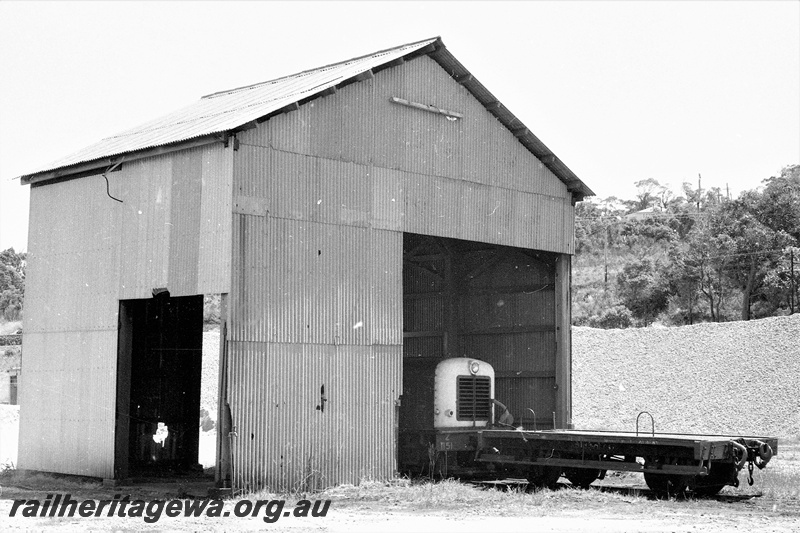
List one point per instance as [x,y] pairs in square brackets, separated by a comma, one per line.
[211,312]
[643,290]
[206,422]
[617,317]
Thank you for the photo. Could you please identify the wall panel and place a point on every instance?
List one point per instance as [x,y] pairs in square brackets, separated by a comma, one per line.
[468,178]
[306,282]
[300,187]
[285,441]
[87,252]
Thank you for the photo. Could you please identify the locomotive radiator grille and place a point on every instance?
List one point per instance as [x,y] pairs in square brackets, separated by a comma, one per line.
[473,398]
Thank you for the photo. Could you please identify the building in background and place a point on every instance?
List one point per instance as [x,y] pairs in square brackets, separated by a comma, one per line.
[9,386]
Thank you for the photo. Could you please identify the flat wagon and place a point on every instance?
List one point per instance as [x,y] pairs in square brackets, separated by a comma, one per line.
[472,436]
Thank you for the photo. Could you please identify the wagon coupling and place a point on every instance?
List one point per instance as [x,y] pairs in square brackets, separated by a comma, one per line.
[765,453]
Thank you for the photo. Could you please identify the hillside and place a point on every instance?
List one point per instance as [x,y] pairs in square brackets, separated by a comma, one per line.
[731,377]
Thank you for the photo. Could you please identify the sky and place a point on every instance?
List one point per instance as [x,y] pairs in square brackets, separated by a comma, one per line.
[620,91]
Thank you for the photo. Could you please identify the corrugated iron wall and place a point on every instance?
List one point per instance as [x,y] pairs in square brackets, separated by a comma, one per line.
[313,305]
[322,196]
[286,440]
[87,252]
[312,283]
[384,165]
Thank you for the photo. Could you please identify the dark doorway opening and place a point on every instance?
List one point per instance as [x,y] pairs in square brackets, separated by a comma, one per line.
[476,300]
[158,386]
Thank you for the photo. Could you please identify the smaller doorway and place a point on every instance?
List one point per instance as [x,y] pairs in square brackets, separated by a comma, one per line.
[158,386]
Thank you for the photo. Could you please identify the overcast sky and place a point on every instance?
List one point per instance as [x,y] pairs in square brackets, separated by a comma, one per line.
[619,91]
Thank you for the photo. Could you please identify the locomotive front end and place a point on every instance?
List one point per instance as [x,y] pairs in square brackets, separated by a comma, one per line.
[463,390]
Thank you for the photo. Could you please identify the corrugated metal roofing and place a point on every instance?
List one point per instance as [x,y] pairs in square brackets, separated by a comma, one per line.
[230,110]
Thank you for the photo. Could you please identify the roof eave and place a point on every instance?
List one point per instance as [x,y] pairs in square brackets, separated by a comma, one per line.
[98,166]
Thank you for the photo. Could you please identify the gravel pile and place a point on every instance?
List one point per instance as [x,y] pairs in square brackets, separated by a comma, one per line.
[732,378]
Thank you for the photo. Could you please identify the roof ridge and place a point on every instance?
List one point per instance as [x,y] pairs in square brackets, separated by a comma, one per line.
[318,69]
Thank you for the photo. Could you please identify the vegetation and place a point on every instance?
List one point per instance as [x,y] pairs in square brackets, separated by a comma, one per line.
[211,310]
[12,284]
[683,259]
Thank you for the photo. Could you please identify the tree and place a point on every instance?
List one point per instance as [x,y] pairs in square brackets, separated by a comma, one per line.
[12,284]
[643,290]
[589,227]
[596,224]
[778,207]
[702,259]
[700,200]
[649,193]
[642,233]
[780,282]
[753,247]
[683,280]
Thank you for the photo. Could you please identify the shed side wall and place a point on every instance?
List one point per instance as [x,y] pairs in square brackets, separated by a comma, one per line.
[87,252]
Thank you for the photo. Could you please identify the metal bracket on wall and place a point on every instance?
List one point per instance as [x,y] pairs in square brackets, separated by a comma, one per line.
[453,115]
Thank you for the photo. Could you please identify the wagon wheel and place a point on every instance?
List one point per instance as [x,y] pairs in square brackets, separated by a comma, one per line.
[707,491]
[543,476]
[721,474]
[669,484]
[582,477]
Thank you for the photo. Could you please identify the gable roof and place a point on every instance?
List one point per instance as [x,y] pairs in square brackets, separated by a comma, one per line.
[217,115]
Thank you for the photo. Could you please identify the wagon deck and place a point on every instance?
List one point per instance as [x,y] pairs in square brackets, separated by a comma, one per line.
[668,453]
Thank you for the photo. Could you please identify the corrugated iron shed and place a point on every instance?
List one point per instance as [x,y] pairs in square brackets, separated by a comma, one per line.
[303,221]
[237,109]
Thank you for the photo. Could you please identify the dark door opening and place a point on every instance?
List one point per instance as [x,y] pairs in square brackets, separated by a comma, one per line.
[476,300]
[158,386]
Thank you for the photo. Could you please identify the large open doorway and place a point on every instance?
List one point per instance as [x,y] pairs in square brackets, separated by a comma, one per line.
[158,386]
[484,301]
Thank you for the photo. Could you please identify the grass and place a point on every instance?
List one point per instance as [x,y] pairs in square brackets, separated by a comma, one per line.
[780,480]
[449,495]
